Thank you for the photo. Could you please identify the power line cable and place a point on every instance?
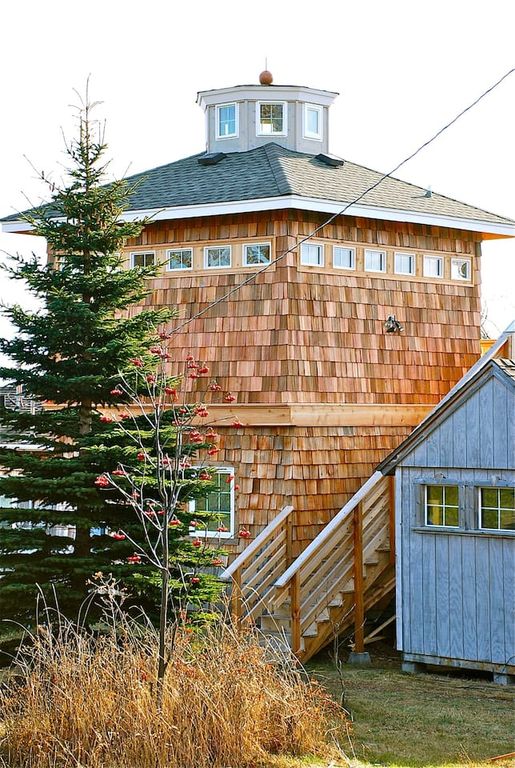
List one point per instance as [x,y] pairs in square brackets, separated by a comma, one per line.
[334,216]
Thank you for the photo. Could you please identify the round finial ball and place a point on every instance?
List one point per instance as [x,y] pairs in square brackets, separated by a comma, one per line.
[265,78]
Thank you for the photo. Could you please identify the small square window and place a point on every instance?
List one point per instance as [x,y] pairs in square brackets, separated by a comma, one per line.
[497,509]
[312,122]
[226,121]
[271,119]
[460,269]
[312,255]
[254,255]
[404,264]
[180,258]
[375,261]
[433,266]
[442,505]
[218,256]
[216,509]
[142,259]
[344,258]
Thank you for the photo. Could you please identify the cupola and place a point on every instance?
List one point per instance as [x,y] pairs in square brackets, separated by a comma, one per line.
[247,116]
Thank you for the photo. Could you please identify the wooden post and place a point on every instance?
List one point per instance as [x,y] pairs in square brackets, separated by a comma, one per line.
[289,541]
[359,607]
[295,612]
[236,595]
[391,516]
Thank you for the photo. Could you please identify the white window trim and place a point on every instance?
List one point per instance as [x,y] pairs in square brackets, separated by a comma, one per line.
[232,528]
[413,263]
[284,132]
[442,485]
[141,253]
[375,250]
[253,245]
[178,250]
[345,248]
[306,133]
[212,247]
[469,269]
[236,121]
[480,508]
[440,259]
[317,245]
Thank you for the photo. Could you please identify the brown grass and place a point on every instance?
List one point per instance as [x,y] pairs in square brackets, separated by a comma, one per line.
[90,703]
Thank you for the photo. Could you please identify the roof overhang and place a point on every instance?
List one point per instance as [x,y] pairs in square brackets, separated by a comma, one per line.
[263,92]
[494,229]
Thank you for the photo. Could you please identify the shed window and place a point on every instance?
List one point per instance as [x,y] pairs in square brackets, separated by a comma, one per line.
[142,259]
[344,258]
[441,505]
[254,255]
[375,261]
[216,509]
[180,258]
[226,121]
[312,255]
[497,509]
[460,269]
[271,119]
[404,264]
[433,266]
[220,256]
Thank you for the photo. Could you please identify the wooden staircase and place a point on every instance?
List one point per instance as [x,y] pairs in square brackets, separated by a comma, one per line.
[346,570]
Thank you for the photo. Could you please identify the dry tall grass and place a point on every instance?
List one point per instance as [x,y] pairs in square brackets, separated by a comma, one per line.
[90,703]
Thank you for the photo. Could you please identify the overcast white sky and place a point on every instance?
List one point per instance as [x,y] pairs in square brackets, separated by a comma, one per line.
[403,69]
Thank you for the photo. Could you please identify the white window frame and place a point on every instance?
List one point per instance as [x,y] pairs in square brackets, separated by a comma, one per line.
[344,248]
[203,532]
[309,244]
[458,261]
[432,257]
[141,253]
[208,248]
[307,134]
[375,250]
[256,245]
[236,121]
[497,509]
[178,250]
[410,256]
[284,132]
[443,505]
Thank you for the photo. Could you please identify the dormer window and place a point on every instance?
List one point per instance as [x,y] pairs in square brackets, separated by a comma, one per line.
[312,122]
[271,118]
[226,121]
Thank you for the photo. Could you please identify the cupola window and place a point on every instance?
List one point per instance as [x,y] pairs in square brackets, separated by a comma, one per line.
[226,121]
[312,122]
[271,118]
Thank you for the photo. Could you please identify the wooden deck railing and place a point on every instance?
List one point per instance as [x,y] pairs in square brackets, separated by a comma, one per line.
[255,570]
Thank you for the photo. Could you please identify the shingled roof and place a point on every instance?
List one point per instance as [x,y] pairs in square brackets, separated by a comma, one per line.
[272,171]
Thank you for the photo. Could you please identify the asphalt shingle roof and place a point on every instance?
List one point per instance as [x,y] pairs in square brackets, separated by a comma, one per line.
[274,171]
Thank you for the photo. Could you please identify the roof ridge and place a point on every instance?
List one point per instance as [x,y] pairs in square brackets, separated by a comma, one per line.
[276,173]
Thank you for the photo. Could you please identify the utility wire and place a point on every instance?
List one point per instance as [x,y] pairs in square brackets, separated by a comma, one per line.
[251,277]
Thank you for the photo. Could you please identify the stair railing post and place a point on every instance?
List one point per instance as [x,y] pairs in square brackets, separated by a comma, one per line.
[289,541]
[391,516]
[295,612]
[236,595]
[359,607]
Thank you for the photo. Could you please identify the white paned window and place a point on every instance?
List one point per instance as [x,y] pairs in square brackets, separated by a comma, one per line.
[404,264]
[497,509]
[216,509]
[271,118]
[143,259]
[312,255]
[344,258]
[217,256]
[180,258]
[312,122]
[442,505]
[226,121]
[433,266]
[254,255]
[460,269]
[375,261]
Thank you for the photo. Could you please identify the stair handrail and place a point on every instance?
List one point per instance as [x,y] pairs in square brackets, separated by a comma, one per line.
[255,545]
[326,532]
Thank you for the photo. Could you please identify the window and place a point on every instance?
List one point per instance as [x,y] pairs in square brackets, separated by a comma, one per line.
[441,505]
[460,269]
[312,122]
[433,266]
[180,258]
[404,264]
[312,255]
[271,119]
[226,121]
[497,508]
[375,261]
[142,259]
[219,256]
[218,504]
[344,258]
[253,255]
